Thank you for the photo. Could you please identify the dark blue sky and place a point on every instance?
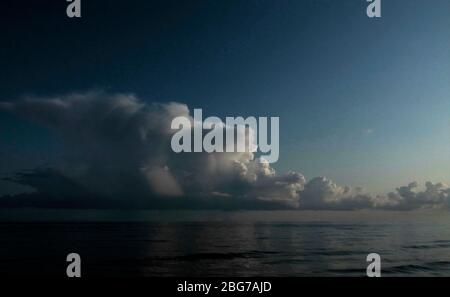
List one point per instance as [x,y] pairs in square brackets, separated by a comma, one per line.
[362,101]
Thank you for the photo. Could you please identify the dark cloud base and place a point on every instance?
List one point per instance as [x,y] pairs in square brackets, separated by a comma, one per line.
[55,191]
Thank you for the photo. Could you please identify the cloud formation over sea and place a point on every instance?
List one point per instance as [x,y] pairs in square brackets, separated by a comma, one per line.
[118,155]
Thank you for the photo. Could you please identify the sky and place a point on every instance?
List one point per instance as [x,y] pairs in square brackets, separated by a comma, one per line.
[362,102]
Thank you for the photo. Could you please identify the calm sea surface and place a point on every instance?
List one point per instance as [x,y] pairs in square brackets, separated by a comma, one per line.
[230,244]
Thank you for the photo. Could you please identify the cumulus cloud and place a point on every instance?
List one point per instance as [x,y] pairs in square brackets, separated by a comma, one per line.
[409,197]
[118,147]
[322,193]
[118,154]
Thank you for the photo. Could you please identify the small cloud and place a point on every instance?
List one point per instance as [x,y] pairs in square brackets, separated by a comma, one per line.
[368,131]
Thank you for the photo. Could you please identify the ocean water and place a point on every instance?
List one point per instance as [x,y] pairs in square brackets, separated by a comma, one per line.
[243,244]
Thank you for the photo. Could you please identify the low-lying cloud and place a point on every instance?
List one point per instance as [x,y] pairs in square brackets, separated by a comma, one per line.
[118,155]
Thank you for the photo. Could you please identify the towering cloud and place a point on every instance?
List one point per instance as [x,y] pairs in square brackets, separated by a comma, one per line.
[118,147]
[118,154]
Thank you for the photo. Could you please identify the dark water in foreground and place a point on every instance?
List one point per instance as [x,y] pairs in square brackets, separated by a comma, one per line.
[226,248]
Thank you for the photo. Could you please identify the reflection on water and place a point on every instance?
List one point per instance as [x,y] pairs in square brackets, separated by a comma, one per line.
[225,248]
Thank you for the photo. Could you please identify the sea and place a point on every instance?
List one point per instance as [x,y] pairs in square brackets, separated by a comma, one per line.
[224,243]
